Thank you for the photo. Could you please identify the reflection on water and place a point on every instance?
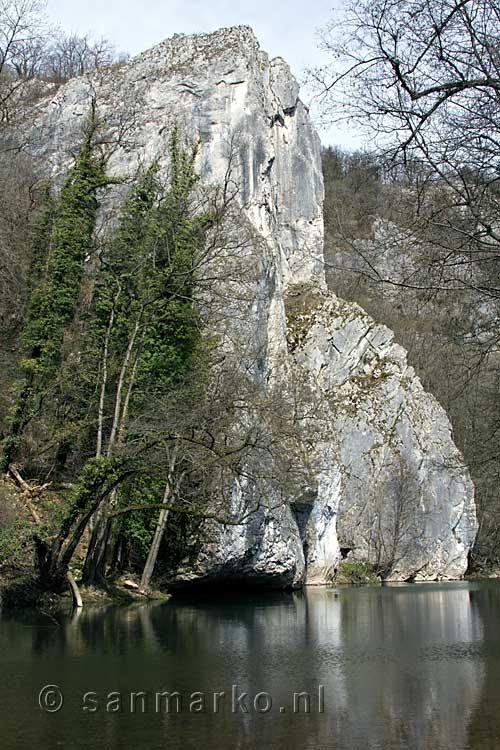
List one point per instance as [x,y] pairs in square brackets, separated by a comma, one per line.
[410,666]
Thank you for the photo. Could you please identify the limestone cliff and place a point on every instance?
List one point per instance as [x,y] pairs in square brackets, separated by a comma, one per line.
[389,486]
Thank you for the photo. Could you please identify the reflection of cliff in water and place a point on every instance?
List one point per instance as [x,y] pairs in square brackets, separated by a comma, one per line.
[484,727]
[401,667]
[412,668]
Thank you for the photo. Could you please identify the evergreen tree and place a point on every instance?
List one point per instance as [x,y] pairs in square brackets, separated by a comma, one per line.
[62,243]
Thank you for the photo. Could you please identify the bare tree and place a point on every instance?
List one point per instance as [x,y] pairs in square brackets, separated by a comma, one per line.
[70,55]
[22,25]
[22,34]
[392,523]
[423,81]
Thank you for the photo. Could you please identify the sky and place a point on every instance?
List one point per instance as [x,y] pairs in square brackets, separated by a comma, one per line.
[288,28]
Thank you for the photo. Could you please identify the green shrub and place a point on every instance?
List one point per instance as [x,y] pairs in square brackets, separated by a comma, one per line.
[356,572]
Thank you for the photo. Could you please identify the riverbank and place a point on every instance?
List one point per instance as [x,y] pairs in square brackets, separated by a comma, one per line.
[19,590]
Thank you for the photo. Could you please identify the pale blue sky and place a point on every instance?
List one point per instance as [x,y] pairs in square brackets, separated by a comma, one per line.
[284,27]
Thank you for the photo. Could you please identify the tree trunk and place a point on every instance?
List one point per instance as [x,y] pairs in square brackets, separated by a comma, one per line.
[155,546]
[75,591]
[95,560]
[160,526]
[121,381]
[104,381]
[93,571]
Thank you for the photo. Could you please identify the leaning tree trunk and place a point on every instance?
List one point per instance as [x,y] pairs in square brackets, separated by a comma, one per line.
[95,560]
[162,522]
[155,546]
[54,559]
[75,591]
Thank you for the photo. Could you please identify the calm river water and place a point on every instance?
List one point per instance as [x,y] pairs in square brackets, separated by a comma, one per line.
[410,666]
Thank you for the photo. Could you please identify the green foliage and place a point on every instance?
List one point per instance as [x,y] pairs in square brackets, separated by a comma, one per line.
[91,369]
[53,301]
[138,527]
[355,572]
[61,244]
[146,280]
[146,286]
[97,479]
[42,239]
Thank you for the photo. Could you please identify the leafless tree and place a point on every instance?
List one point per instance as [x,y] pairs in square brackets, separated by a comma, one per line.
[392,522]
[22,34]
[69,55]
[422,79]
[22,25]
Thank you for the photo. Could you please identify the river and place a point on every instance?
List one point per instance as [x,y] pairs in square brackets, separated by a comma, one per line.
[348,668]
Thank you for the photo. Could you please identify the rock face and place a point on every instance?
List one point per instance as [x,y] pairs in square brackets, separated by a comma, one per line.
[388,485]
[405,501]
